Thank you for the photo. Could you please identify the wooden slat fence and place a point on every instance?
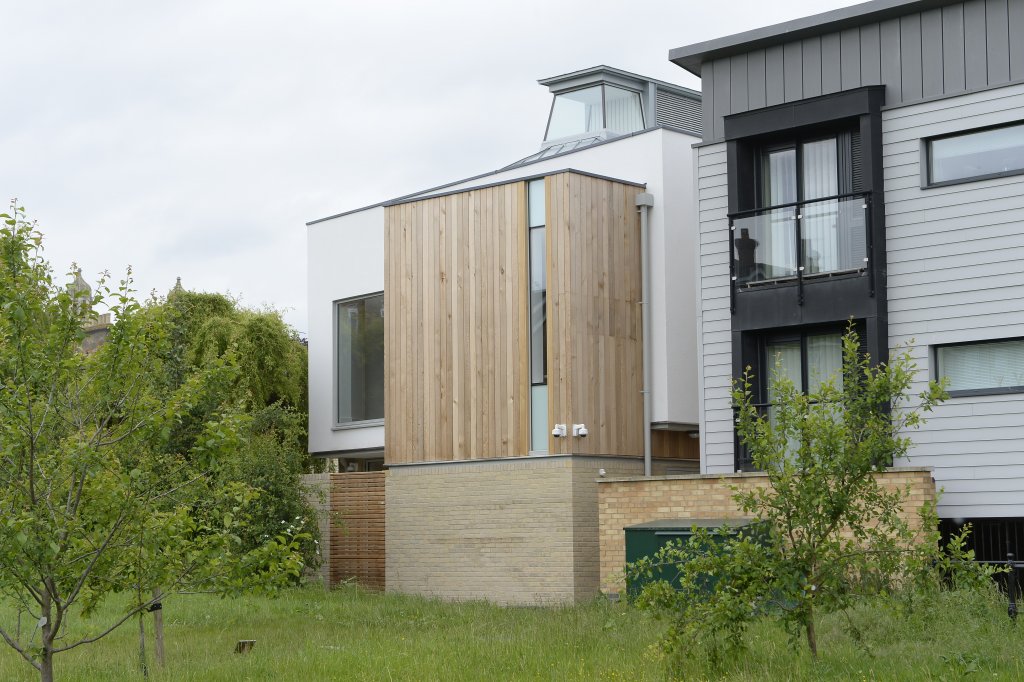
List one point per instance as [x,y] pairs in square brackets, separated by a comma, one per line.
[357,529]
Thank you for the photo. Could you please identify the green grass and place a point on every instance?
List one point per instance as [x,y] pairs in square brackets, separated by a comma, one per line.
[307,634]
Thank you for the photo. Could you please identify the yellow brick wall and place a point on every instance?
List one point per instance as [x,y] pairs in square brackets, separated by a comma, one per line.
[522,531]
[626,502]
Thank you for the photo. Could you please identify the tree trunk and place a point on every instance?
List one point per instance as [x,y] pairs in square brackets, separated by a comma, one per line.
[142,644]
[46,636]
[46,666]
[158,627]
[812,637]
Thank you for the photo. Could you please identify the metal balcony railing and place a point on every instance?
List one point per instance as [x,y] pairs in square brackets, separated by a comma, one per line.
[801,240]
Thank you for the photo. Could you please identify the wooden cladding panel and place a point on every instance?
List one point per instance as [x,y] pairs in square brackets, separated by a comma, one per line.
[456,349]
[357,529]
[595,348]
[674,445]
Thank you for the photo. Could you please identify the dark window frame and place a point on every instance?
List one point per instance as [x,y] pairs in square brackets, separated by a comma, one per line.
[926,157]
[969,392]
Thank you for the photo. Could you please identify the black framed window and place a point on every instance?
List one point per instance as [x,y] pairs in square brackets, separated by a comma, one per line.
[810,217]
[982,368]
[979,154]
[808,357]
[359,359]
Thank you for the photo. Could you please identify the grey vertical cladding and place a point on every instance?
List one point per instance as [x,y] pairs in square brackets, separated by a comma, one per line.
[849,58]
[956,274]
[910,56]
[774,68]
[811,54]
[1015,22]
[892,75]
[721,94]
[738,83]
[715,344]
[870,56]
[831,75]
[953,79]
[793,71]
[948,50]
[931,53]
[998,41]
[975,57]
[755,80]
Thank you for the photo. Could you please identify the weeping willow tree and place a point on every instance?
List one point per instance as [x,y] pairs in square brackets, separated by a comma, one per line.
[269,388]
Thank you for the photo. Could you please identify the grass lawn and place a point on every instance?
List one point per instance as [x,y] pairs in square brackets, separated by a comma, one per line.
[307,634]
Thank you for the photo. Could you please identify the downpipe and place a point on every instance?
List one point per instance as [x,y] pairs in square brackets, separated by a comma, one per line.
[644,202]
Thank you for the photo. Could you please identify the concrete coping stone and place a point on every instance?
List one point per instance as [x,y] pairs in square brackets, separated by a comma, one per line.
[734,475]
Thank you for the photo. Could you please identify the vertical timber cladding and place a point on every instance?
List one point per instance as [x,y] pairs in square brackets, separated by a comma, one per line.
[456,347]
[595,347]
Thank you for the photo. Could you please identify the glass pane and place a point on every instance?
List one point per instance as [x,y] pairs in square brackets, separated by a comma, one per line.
[538,307]
[539,419]
[983,365]
[974,154]
[820,169]
[622,110]
[765,246]
[535,193]
[360,362]
[834,235]
[574,113]
[780,177]
[783,361]
[824,361]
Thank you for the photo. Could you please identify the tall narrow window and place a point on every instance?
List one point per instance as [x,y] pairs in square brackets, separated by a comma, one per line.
[359,342]
[538,317]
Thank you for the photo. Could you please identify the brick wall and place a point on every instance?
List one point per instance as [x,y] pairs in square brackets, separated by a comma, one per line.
[522,531]
[627,501]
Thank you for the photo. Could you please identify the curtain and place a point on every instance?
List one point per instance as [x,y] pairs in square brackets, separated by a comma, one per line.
[622,110]
[780,248]
[783,361]
[819,224]
[983,365]
[824,360]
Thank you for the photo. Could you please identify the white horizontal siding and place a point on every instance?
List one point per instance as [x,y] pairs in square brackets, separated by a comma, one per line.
[956,273]
[716,319]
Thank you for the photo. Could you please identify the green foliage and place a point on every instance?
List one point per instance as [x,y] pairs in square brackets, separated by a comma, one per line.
[268,391]
[94,500]
[829,533]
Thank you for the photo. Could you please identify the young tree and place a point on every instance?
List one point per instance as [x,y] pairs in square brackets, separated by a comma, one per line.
[828,531]
[92,503]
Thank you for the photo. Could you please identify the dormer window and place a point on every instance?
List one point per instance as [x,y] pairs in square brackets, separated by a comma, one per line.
[594,109]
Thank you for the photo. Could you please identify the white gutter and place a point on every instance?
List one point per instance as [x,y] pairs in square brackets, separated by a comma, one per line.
[644,202]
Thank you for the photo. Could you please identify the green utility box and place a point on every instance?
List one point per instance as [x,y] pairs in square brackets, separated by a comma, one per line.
[645,539]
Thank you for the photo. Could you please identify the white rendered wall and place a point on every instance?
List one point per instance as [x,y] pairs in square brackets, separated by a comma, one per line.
[956,273]
[346,259]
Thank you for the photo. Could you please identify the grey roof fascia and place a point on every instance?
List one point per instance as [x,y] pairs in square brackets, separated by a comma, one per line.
[430,192]
[690,57]
[568,81]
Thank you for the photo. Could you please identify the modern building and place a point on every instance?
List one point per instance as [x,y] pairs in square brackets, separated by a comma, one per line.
[486,342]
[868,164]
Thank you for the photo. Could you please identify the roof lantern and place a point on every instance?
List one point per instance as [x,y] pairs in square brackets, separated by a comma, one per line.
[601,103]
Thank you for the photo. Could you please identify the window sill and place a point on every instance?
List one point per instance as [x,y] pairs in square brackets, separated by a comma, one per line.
[968,393]
[358,425]
[973,178]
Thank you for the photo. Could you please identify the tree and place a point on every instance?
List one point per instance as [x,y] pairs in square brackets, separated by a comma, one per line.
[92,501]
[828,531]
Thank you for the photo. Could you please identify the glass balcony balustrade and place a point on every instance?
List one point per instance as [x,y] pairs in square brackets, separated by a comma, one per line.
[802,240]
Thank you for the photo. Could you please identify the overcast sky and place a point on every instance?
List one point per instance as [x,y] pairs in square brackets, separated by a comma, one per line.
[196,138]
